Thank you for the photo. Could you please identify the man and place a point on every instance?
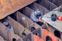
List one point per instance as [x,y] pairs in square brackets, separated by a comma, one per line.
[36,17]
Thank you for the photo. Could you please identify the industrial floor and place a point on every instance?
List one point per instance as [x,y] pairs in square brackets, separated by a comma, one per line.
[22,25]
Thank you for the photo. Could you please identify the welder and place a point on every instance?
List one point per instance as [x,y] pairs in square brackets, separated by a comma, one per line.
[36,17]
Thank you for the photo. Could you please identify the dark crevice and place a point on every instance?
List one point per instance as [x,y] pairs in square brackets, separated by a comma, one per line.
[48,38]
[32,29]
[57,34]
[40,23]
[13,39]
[37,32]
[23,34]
[38,1]
[3,19]
[13,16]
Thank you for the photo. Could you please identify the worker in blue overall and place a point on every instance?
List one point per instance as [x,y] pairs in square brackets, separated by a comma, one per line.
[36,17]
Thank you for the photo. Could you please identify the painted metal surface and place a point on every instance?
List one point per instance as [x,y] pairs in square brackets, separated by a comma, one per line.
[56,24]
